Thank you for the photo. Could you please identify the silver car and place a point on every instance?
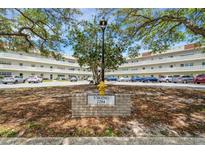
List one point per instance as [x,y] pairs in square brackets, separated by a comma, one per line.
[184,79]
[122,79]
[15,79]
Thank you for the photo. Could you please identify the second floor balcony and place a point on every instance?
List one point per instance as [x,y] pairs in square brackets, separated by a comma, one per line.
[21,57]
[197,56]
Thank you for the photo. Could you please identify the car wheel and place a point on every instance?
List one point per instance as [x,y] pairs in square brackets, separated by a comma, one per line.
[198,82]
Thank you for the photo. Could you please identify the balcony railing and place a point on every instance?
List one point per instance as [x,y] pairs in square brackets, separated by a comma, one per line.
[15,56]
[166,60]
[39,69]
[160,70]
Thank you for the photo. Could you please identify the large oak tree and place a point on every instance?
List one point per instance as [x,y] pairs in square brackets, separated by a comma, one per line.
[159,29]
[42,29]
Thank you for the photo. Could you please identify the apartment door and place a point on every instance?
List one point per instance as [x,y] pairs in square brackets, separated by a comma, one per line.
[51,76]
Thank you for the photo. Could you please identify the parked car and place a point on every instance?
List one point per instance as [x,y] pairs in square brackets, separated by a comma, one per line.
[183,79]
[149,79]
[111,79]
[199,79]
[175,78]
[34,79]
[73,79]
[13,79]
[136,79]
[165,79]
[122,79]
[61,78]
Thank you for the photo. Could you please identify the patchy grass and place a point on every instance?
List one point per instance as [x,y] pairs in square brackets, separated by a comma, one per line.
[33,125]
[7,132]
[46,112]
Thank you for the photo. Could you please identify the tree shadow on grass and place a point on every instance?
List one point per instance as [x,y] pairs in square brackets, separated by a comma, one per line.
[46,112]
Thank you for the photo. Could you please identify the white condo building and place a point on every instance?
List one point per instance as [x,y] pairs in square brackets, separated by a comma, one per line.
[185,60]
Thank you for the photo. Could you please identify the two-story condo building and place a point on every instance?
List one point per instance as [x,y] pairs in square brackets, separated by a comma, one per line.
[185,60]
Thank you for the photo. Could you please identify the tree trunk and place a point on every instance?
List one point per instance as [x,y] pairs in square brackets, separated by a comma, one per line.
[96,75]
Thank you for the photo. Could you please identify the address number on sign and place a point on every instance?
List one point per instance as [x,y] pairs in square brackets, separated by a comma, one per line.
[101,100]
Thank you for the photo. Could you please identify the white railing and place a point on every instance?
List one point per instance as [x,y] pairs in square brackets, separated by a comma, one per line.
[15,56]
[166,60]
[160,70]
[39,69]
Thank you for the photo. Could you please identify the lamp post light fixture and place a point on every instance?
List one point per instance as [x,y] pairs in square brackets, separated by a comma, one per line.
[102,86]
[103,24]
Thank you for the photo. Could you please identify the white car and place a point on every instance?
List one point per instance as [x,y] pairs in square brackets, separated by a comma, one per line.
[122,79]
[34,79]
[13,79]
[73,79]
[166,79]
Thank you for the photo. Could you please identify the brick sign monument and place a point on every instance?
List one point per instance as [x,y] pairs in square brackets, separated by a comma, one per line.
[94,105]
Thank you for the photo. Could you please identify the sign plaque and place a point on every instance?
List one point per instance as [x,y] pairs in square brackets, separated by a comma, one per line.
[95,100]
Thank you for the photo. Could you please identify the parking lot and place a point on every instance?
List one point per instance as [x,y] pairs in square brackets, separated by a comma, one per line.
[55,83]
[164,84]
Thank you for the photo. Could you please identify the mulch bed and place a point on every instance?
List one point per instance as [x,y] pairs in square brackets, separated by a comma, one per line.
[46,112]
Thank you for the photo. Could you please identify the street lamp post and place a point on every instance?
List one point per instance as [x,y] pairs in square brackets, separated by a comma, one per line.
[103,24]
[102,86]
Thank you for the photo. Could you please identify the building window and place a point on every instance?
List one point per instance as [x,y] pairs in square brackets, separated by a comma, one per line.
[171,66]
[41,66]
[51,67]
[203,63]
[189,64]
[160,66]
[5,73]
[152,68]
[20,64]
[33,66]
[181,65]
[143,68]
[5,63]
[21,75]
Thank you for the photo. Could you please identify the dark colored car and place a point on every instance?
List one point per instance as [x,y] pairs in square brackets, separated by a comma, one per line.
[200,79]
[149,79]
[136,79]
[111,79]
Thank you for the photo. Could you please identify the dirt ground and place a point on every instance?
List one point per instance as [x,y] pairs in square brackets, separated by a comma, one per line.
[46,112]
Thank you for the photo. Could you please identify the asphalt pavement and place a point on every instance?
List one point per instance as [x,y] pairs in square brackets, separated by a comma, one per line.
[68,83]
